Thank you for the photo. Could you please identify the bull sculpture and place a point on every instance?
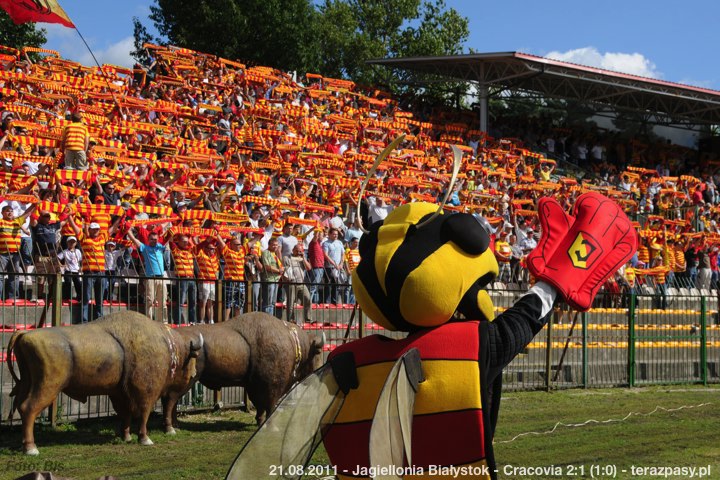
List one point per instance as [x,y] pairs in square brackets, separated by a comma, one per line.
[124,355]
[256,351]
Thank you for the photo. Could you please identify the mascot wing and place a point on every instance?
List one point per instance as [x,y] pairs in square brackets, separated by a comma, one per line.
[293,431]
[391,431]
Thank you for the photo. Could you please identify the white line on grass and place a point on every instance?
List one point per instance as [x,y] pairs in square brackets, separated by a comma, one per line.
[611,420]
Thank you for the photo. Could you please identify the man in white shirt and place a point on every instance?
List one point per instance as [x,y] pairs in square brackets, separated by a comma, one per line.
[334,252]
[72,258]
[377,210]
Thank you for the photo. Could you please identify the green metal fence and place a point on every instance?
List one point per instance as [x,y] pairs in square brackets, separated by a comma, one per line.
[622,341]
[626,342]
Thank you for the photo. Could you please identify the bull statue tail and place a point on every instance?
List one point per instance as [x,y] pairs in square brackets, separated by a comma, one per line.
[11,365]
[11,368]
[193,355]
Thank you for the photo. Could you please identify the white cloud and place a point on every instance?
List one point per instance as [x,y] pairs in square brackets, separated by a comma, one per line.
[631,63]
[71,47]
[118,53]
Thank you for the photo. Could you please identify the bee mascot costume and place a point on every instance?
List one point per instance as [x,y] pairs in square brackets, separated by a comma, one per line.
[426,406]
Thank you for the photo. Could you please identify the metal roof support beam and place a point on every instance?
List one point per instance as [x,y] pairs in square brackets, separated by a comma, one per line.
[522,72]
[483,95]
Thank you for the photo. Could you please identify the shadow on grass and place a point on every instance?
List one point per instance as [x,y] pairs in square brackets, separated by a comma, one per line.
[214,426]
[81,432]
[103,431]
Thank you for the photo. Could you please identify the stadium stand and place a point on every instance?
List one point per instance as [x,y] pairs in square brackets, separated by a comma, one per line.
[194,147]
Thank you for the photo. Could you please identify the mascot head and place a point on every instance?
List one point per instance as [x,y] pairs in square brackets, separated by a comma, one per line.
[416,273]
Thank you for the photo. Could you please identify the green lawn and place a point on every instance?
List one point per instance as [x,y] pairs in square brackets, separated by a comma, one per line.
[682,438]
[206,444]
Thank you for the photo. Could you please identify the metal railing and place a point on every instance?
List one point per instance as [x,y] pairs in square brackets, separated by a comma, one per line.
[624,340]
[627,341]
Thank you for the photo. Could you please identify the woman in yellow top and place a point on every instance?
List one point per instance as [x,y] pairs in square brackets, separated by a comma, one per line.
[546,170]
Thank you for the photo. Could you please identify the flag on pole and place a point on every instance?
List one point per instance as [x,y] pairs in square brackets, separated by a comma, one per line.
[43,11]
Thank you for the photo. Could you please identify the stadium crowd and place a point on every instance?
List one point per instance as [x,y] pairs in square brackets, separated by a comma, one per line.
[197,166]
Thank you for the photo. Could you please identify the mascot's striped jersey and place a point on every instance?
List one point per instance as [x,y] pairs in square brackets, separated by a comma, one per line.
[450,399]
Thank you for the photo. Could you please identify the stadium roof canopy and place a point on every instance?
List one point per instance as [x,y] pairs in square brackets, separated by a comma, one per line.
[669,103]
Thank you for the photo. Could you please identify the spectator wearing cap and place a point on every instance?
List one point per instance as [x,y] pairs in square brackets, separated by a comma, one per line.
[178,200]
[156,195]
[92,242]
[526,237]
[45,235]
[10,261]
[113,260]
[71,257]
[213,201]
[75,142]
[152,254]
[232,205]
[516,270]
[208,265]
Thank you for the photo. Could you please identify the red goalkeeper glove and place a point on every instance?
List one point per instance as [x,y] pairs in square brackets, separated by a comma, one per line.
[578,253]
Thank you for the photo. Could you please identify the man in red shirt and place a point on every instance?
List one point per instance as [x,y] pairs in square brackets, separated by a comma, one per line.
[697,196]
[316,258]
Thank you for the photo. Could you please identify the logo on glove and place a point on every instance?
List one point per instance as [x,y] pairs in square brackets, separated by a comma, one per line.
[584,251]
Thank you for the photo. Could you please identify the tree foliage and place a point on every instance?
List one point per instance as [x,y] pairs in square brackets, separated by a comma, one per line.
[334,38]
[276,33]
[18,36]
[141,36]
[354,31]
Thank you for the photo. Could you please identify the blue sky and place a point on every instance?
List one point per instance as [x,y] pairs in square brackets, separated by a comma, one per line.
[674,41]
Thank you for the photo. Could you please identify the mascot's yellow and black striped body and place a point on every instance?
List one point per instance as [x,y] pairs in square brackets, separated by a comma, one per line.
[449,421]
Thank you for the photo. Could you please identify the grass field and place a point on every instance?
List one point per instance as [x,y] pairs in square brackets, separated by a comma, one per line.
[206,444]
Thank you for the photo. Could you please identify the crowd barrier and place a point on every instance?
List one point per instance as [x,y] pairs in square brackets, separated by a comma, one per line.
[624,340]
